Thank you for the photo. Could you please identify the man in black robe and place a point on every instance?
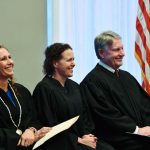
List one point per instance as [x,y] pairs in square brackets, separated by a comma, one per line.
[119,106]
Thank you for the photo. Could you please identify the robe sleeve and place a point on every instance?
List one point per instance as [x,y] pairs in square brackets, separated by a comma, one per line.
[42,98]
[145,104]
[33,122]
[105,111]
[29,113]
[8,138]
[140,96]
[85,117]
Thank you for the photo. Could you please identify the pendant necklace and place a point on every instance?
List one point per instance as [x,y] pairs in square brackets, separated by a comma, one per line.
[18,131]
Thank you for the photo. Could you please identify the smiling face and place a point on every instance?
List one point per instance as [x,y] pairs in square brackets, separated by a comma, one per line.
[113,55]
[6,64]
[64,66]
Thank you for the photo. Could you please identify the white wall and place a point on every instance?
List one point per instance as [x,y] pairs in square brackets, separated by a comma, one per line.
[23,31]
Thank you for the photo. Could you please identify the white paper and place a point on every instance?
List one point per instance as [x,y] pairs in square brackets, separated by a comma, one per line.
[55,130]
[138,134]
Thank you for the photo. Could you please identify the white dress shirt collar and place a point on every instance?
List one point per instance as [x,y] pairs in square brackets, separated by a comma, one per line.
[106,66]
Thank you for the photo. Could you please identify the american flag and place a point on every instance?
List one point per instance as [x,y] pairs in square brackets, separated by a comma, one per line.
[142,42]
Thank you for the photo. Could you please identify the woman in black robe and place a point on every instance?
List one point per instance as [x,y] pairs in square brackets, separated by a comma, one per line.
[17,126]
[58,99]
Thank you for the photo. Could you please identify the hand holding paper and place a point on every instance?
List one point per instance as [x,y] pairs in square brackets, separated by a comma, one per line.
[55,130]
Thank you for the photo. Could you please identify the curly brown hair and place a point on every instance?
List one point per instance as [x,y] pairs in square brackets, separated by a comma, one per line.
[53,53]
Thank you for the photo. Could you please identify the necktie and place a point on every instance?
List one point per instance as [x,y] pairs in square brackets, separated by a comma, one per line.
[117,73]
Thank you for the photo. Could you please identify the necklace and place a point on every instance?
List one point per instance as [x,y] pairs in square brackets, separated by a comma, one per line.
[18,131]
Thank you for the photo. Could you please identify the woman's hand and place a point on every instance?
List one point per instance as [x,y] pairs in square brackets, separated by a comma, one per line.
[88,140]
[27,138]
[41,133]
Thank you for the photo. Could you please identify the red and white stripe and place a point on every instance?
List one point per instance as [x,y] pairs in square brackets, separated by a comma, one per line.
[142,43]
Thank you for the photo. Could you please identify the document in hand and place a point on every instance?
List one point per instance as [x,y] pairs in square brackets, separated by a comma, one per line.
[137,134]
[55,130]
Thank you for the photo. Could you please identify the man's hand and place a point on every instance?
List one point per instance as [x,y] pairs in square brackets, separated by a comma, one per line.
[145,131]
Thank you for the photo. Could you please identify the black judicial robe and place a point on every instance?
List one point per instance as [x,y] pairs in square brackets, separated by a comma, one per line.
[118,105]
[8,136]
[55,104]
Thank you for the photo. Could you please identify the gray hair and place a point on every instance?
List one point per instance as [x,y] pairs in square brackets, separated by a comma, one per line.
[104,39]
